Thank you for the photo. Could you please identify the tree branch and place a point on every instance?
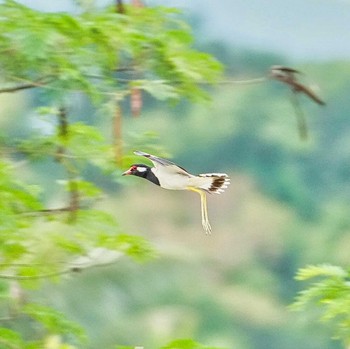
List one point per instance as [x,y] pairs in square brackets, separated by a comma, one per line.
[117,133]
[73,187]
[46,211]
[69,270]
[38,83]
[120,7]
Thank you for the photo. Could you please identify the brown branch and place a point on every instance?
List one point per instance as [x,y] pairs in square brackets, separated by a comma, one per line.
[74,198]
[120,7]
[73,186]
[136,101]
[54,210]
[69,270]
[18,88]
[117,122]
[46,211]
[63,122]
[117,134]
[42,82]
[38,83]
[124,69]
[62,133]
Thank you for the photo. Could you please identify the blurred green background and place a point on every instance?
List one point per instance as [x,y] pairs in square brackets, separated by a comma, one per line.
[287,206]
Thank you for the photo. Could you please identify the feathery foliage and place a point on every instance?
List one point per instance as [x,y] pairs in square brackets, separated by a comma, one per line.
[103,56]
[330,293]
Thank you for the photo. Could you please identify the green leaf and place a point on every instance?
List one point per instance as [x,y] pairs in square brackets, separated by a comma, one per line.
[80,52]
[133,246]
[159,89]
[85,188]
[176,344]
[54,321]
[10,339]
[331,296]
[69,244]
[320,270]
[186,344]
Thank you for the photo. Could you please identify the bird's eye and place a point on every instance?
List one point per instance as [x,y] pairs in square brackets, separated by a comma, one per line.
[133,168]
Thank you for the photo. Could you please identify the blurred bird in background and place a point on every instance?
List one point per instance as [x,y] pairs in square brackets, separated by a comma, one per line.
[289,77]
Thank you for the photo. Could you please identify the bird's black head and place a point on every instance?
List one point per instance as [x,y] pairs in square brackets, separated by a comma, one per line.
[141,170]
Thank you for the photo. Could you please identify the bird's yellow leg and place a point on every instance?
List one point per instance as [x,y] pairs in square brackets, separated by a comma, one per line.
[204,210]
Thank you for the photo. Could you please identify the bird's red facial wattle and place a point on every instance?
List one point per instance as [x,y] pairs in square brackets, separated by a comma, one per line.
[132,170]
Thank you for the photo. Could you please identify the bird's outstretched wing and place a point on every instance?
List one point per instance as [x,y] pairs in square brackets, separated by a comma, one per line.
[162,162]
[288,76]
[281,68]
[297,87]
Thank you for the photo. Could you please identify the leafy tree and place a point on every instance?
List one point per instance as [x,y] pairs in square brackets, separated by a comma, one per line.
[111,57]
[330,294]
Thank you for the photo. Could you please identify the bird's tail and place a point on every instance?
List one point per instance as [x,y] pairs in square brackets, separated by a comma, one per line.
[213,182]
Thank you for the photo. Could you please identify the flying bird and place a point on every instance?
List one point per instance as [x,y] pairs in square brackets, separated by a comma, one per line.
[168,175]
[289,77]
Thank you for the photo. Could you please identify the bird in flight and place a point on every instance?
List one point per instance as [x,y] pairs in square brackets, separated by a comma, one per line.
[289,77]
[168,175]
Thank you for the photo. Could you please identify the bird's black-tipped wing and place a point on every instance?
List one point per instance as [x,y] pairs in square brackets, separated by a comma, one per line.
[287,76]
[281,68]
[162,162]
[307,91]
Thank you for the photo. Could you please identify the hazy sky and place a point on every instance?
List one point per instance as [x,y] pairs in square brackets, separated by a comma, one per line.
[300,29]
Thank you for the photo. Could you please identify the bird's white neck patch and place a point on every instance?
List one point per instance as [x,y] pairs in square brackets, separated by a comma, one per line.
[141,169]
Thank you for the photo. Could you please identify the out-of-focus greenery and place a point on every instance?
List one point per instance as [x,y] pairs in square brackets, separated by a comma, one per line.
[54,228]
[331,294]
[287,206]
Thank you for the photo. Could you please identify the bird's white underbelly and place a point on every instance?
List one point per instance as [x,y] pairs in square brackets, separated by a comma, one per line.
[176,182]
[170,180]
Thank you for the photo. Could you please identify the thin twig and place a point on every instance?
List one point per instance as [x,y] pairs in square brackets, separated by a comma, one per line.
[34,277]
[242,82]
[47,211]
[70,270]
[45,85]
[71,171]
[19,265]
[117,133]
[18,88]
[32,84]
[120,7]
